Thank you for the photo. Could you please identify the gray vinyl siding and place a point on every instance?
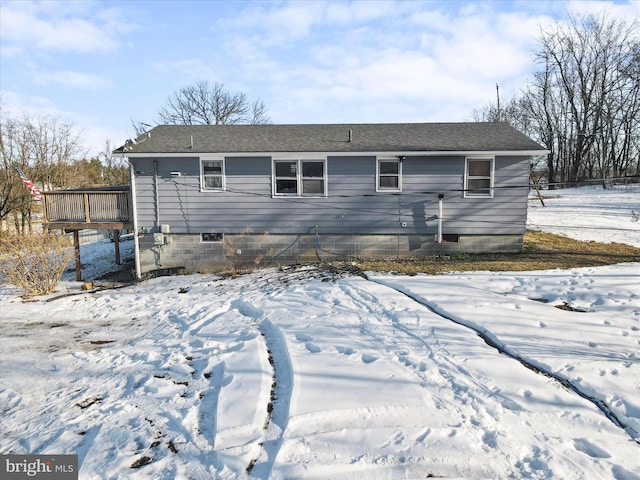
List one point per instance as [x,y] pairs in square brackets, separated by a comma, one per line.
[352,206]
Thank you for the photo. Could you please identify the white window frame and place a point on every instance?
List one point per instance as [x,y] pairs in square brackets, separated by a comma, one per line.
[491,177]
[378,176]
[299,178]
[203,187]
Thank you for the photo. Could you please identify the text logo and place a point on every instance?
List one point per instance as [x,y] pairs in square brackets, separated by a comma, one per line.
[50,467]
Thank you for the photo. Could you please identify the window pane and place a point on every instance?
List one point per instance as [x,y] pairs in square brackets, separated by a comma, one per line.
[212,167]
[389,168]
[212,181]
[286,186]
[479,168]
[389,182]
[480,186]
[313,169]
[286,169]
[311,187]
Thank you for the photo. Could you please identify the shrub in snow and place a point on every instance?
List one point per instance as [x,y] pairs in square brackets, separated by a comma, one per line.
[241,252]
[34,263]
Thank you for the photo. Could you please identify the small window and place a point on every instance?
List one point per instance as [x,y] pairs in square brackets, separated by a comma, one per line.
[389,175]
[213,174]
[300,177]
[212,237]
[479,177]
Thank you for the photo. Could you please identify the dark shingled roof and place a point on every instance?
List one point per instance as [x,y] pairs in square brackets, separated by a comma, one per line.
[387,137]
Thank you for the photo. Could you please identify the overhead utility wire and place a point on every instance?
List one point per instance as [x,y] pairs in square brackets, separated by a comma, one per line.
[312,201]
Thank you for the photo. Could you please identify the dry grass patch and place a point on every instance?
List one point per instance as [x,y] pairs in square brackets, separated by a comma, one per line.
[542,251]
[34,263]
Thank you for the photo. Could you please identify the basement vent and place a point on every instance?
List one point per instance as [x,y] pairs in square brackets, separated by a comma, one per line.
[211,237]
[451,237]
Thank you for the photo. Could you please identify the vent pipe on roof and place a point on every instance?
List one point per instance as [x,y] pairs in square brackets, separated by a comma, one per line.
[350,136]
[190,141]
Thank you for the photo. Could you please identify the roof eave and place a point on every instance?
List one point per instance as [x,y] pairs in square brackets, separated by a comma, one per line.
[430,153]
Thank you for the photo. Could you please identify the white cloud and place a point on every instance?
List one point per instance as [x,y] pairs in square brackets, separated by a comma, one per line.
[189,70]
[70,79]
[444,59]
[356,12]
[274,25]
[78,27]
[623,11]
[15,104]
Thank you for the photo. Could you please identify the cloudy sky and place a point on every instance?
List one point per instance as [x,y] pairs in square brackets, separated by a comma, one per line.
[99,64]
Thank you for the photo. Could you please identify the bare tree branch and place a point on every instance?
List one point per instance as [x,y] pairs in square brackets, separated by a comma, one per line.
[210,104]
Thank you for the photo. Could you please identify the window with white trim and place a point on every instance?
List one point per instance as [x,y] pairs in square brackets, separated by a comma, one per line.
[300,177]
[212,174]
[389,175]
[478,179]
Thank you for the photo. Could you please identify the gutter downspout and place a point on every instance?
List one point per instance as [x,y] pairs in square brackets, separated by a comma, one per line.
[136,242]
[156,194]
[440,198]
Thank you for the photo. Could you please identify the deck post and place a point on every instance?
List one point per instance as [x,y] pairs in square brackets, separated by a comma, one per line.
[76,249]
[116,242]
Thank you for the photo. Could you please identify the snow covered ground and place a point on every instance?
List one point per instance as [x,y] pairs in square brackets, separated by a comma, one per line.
[302,374]
[590,213]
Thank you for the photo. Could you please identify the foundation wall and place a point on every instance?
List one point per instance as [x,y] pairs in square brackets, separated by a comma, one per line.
[190,254]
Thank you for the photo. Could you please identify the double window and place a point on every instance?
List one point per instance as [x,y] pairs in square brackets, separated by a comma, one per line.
[300,177]
[212,174]
[478,178]
[389,175]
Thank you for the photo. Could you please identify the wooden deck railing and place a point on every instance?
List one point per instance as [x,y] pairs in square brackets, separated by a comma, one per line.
[88,207]
[104,208]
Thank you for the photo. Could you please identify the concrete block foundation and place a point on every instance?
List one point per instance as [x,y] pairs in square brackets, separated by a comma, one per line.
[247,251]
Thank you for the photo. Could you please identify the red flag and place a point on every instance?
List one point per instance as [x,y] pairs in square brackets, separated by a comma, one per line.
[32,188]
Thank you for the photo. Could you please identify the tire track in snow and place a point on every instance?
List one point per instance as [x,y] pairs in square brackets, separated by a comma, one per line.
[279,406]
[471,409]
[494,342]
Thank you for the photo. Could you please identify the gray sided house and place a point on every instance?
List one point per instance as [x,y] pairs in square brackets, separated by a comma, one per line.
[205,197]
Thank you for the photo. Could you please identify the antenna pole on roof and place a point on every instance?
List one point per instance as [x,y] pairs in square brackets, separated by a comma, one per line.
[498,97]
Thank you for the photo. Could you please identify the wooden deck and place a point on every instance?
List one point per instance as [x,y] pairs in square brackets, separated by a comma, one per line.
[103,208]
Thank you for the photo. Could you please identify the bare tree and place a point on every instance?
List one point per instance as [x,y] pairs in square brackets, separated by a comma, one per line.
[139,127]
[583,102]
[585,59]
[44,148]
[210,104]
[259,113]
[10,156]
[114,169]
